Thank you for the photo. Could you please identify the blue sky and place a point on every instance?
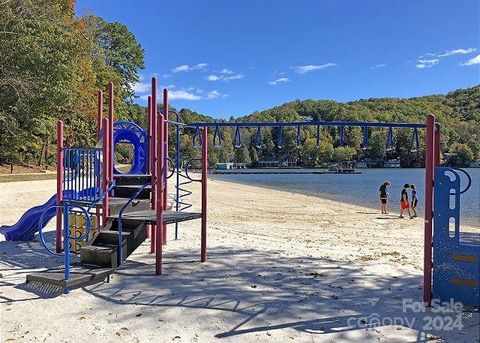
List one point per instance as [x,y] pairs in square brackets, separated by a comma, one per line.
[226,58]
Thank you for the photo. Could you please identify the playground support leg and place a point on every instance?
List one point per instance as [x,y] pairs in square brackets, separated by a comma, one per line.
[111,110]
[105,168]
[437,145]
[60,176]
[99,112]
[153,156]
[66,221]
[165,156]
[429,164]
[204,195]
[159,195]
[150,149]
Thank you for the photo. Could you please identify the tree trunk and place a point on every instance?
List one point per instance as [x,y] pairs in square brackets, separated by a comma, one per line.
[41,158]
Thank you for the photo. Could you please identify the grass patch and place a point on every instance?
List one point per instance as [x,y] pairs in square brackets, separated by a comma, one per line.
[27,177]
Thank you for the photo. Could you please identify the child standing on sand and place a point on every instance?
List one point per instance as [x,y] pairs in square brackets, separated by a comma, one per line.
[414,200]
[404,204]
[382,192]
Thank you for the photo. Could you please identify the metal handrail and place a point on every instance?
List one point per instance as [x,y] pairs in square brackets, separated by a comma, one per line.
[120,225]
[111,186]
[86,211]
[187,165]
[88,224]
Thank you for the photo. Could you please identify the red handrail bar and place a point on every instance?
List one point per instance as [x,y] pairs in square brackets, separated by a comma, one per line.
[153,157]
[158,196]
[111,111]
[99,112]
[106,168]
[427,248]
[165,157]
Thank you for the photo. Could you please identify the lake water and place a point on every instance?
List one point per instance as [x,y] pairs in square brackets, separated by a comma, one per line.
[362,189]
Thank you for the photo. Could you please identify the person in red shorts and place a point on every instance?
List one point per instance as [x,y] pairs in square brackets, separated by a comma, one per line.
[404,204]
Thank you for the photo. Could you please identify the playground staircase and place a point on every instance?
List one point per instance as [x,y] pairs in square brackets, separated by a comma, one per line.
[100,256]
[103,250]
[126,185]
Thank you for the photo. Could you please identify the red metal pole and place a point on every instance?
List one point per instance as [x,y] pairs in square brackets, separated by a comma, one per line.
[58,238]
[427,249]
[150,134]
[437,145]
[153,156]
[99,129]
[99,113]
[150,149]
[159,199]
[105,168]
[111,110]
[165,138]
[204,195]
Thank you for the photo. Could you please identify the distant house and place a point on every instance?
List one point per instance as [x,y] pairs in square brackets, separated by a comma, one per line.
[224,166]
[284,162]
[391,164]
[369,163]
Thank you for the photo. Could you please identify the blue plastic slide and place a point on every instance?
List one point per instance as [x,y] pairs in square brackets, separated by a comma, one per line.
[25,228]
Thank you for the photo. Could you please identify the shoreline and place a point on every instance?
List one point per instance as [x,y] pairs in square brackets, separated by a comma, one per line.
[335,197]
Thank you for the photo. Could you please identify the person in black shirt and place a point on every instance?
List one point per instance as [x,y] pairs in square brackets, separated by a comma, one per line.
[404,204]
[414,200]
[384,195]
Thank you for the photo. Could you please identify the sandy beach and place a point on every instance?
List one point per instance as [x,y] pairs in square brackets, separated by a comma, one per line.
[281,267]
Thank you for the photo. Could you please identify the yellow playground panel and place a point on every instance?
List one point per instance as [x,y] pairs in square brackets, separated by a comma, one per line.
[78,228]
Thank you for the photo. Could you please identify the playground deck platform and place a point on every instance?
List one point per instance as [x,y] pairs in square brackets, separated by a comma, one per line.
[79,276]
[150,216]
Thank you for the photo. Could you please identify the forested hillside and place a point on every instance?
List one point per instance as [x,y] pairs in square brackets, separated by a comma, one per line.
[52,64]
[458,113]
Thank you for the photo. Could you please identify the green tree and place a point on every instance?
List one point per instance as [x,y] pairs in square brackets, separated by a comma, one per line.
[325,152]
[242,155]
[119,51]
[376,146]
[253,157]
[343,154]
[462,154]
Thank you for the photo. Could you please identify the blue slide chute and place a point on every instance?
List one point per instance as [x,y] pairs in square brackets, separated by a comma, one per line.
[27,226]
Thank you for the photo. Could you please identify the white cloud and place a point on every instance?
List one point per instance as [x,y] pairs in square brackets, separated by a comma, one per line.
[279,80]
[458,52]
[215,95]
[183,94]
[472,61]
[227,75]
[233,77]
[186,67]
[311,67]
[378,66]
[213,77]
[142,87]
[422,63]
[225,71]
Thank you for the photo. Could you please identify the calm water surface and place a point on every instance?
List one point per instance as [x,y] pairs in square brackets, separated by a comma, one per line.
[362,189]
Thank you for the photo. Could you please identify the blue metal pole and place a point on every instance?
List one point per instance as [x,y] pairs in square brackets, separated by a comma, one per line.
[307,123]
[66,245]
[177,166]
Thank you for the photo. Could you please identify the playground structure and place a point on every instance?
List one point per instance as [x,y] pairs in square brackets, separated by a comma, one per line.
[133,205]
